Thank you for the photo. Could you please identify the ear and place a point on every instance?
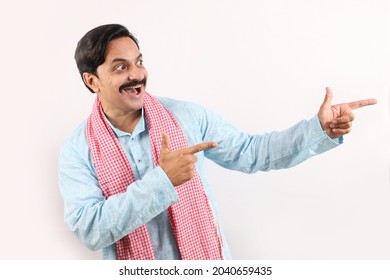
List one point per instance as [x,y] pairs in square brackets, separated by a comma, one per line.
[92,81]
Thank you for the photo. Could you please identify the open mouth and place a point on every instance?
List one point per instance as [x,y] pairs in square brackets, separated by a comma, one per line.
[133,89]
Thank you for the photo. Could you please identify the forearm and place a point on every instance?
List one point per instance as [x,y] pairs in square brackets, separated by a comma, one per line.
[251,153]
[99,222]
[294,145]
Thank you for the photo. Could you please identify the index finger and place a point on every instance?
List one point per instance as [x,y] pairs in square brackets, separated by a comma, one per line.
[164,141]
[199,147]
[361,103]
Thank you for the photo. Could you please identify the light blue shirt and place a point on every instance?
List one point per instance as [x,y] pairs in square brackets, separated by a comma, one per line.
[100,222]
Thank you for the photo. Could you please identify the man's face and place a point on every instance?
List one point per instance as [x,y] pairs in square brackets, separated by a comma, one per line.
[121,80]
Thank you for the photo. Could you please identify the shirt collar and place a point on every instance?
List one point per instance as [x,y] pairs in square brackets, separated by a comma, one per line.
[139,128]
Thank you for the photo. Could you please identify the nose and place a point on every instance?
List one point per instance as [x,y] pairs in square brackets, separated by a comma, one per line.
[136,73]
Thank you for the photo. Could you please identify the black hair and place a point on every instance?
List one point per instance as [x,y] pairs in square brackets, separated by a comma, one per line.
[91,49]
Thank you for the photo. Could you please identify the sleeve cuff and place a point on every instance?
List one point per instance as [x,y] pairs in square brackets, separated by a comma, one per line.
[323,142]
[161,186]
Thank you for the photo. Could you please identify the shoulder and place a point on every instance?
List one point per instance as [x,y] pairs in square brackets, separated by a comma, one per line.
[76,143]
[175,104]
[184,110]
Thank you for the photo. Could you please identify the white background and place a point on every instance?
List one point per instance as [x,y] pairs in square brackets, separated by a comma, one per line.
[262,64]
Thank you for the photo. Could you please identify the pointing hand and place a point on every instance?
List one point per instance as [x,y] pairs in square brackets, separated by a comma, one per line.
[179,165]
[336,120]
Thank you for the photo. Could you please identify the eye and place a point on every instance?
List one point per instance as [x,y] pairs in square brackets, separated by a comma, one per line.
[121,67]
[140,62]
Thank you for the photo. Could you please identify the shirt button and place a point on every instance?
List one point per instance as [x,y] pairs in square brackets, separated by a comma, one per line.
[139,161]
[132,138]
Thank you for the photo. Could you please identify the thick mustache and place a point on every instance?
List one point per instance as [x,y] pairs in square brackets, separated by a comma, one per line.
[132,84]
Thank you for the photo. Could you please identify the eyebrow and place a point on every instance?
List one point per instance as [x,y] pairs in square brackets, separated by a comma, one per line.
[119,59]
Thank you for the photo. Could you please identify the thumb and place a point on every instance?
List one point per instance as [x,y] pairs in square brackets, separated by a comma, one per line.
[328,98]
[165,142]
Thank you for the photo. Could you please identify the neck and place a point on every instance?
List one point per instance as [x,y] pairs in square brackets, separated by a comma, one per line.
[125,122]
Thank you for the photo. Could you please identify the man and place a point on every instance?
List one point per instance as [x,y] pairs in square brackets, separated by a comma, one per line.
[131,182]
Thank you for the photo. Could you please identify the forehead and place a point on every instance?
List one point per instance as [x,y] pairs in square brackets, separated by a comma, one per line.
[123,47]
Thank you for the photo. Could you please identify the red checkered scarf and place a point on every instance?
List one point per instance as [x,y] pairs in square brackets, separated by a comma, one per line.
[192,219]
